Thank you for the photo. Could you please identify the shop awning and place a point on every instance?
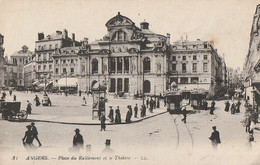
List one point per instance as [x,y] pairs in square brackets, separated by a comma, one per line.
[67,82]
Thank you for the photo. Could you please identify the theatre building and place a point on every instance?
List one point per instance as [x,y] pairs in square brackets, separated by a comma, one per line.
[128,59]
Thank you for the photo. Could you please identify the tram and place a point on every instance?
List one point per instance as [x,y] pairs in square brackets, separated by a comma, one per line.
[196,98]
[174,98]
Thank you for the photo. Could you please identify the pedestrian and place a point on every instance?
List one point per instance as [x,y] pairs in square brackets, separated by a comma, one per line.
[103,122]
[158,102]
[247,122]
[147,102]
[205,105]
[212,108]
[10,92]
[118,116]
[251,138]
[37,101]
[213,104]
[233,108]
[29,107]
[84,101]
[154,103]
[108,150]
[184,112]
[35,133]
[78,141]
[49,101]
[151,105]
[14,98]
[28,137]
[227,106]
[79,93]
[238,107]
[215,138]
[144,111]
[136,110]
[111,114]
[165,101]
[131,110]
[128,116]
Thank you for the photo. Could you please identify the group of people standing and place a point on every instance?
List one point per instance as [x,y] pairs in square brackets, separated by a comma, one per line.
[152,104]
[235,107]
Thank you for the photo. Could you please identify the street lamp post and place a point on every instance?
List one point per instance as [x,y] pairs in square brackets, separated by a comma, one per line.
[66,85]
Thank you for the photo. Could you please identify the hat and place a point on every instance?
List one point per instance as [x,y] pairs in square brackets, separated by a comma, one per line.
[29,126]
[110,106]
[108,142]
[117,106]
[32,123]
[214,127]
[77,130]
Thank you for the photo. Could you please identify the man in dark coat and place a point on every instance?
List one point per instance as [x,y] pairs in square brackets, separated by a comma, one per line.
[158,103]
[103,120]
[212,108]
[78,140]
[227,106]
[147,102]
[215,138]
[136,110]
[35,133]
[37,100]
[213,103]
[14,98]
[118,115]
[233,108]
[165,101]
[205,104]
[151,105]
[111,114]
[184,112]
[238,107]
[131,110]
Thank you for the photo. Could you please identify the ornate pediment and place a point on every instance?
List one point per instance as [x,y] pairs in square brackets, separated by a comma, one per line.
[119,20]
[133,51]
[104,51]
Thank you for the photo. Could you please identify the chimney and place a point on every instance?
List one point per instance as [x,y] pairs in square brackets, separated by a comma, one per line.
[73,36]
[168,40]
[40,36]
[65,33]
[144,25]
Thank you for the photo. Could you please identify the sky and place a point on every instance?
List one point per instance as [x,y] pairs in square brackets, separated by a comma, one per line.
[226,22]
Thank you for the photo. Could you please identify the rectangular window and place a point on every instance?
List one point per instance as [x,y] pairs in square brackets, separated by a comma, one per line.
[39,68]
[173,58]
[119,85]
[184,80]
[64,61]
[50,56]
[119,65]
[113,65]
[195,57]
[205,57]
[56,46]
[57,61]
[57,70]
[194,67]
[205,67]
[71,70]
[126,64]
[44,67]
[183,57]
[113,85]
[126,84]
[183,68]
[72,61]
[205,46]
[194,80]
[174,67]
[64,70]
[50,67]
[50,46]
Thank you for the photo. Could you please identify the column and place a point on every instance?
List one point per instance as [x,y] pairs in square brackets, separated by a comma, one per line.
[123,65]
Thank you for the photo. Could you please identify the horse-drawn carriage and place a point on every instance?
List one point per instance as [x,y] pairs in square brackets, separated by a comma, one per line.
[11,111]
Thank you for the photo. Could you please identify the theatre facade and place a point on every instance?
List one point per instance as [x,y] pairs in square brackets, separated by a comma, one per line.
[129,60]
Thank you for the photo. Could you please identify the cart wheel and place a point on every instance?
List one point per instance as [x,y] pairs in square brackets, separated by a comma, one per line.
[22,115]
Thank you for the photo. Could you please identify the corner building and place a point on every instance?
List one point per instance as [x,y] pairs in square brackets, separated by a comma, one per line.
[128,59]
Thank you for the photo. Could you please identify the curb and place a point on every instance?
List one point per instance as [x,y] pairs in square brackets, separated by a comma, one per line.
[58,122]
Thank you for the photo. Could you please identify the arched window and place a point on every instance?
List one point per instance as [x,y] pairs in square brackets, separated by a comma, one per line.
[147,86]
[94,66]
[119,36]
[147,65]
